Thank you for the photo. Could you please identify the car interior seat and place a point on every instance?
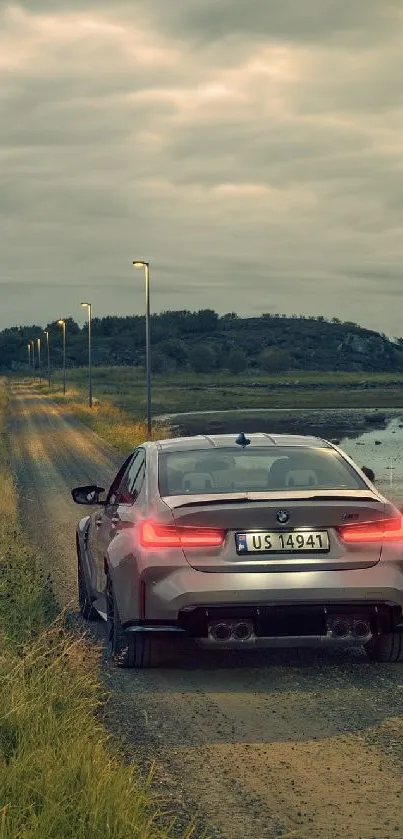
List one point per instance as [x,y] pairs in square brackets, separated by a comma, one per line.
[174,481]
[197,482]
[276,478]
[301,478]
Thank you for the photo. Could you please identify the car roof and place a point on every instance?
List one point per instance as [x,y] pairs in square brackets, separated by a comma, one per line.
[219,441]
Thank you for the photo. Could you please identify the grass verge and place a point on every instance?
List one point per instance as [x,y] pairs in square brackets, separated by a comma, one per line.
[59,775]
[115,426]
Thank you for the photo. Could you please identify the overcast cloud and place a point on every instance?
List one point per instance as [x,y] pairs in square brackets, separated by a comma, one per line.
[251,150]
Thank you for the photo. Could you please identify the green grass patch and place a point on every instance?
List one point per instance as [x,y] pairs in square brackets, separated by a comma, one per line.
[124,388]
[120,398]
[60,778]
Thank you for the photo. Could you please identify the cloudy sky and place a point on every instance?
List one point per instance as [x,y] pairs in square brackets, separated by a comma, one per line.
[251,150]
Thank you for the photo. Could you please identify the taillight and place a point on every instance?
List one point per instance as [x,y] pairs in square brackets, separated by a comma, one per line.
[154,535]
[386,530]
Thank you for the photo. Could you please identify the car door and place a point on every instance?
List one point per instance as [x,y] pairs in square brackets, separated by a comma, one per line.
[122,494]
[102,524]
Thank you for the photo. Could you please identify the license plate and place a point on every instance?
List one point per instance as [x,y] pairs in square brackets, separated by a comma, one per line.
[295,541]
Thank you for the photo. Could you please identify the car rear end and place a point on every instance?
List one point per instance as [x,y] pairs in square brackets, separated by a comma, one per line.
[277,544]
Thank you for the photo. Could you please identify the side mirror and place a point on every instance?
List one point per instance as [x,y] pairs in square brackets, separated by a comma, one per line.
[369,473]
[87,495]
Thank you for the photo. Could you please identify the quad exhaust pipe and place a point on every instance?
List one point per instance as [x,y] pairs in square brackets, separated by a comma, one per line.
[231,631]
[339,628]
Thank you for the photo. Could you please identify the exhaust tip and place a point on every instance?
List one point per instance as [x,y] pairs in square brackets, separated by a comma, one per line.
[361,629]
[220,631]
[340,629]
[242,631]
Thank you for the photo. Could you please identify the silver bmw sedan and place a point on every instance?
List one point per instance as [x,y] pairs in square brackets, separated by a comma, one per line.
[237,542]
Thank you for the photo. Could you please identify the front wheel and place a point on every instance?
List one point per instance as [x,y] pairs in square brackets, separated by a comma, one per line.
[128,649]
[386,648]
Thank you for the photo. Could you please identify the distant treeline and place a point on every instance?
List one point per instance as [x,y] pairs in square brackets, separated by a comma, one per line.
[205,342]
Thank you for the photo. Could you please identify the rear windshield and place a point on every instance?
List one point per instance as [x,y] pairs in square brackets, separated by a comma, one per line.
[254,470]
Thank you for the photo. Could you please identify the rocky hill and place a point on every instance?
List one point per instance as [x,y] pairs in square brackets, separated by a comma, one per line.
[205,342]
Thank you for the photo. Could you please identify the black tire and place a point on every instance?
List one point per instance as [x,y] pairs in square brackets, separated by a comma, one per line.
[87,610]
[128,649]
[386,648]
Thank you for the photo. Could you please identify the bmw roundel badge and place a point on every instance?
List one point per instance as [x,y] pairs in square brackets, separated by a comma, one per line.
[282,516]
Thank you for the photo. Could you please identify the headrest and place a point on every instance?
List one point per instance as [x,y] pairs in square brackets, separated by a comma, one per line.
[197,481]
[175,479]
[280,467]
[301,478]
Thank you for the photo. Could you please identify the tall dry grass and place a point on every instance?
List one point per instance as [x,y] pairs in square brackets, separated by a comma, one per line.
[60,777]
[116,426]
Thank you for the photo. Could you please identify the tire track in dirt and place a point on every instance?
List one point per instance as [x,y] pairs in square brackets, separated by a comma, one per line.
[284,744]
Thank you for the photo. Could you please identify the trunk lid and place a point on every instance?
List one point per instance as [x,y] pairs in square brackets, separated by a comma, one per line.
[321,511]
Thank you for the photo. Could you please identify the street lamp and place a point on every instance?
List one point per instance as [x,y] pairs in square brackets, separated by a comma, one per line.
[146,266]
[38,342]
[33,357]
[62,323]
[46,332]
[29,356]
[89,309]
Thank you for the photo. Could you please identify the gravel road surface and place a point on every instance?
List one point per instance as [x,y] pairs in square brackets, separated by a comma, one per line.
[285,744]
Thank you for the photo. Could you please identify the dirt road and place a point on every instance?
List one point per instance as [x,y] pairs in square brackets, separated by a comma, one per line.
[298,746]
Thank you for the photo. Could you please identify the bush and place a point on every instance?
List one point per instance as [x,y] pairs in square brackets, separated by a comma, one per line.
[237,361]
[203,359]
[274,360]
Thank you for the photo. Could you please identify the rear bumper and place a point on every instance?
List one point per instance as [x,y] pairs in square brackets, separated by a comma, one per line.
[169,597]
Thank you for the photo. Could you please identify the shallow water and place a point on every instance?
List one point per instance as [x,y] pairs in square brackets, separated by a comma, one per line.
[382,451]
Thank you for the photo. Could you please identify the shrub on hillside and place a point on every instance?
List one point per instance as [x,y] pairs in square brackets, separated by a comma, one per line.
[274,359]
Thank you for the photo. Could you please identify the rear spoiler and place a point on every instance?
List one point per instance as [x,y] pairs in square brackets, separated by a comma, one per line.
[176,502]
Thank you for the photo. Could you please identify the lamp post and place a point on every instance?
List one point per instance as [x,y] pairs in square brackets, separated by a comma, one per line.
[46,332]
[38,343]
[33,357]
[62,323]
[146,266]
[29,356]
[89,310]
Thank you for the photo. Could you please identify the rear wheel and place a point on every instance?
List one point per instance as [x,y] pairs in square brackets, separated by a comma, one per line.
[86,608]
[129,649]
[386,648]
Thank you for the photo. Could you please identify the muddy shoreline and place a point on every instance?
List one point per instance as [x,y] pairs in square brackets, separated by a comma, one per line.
[328,423]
